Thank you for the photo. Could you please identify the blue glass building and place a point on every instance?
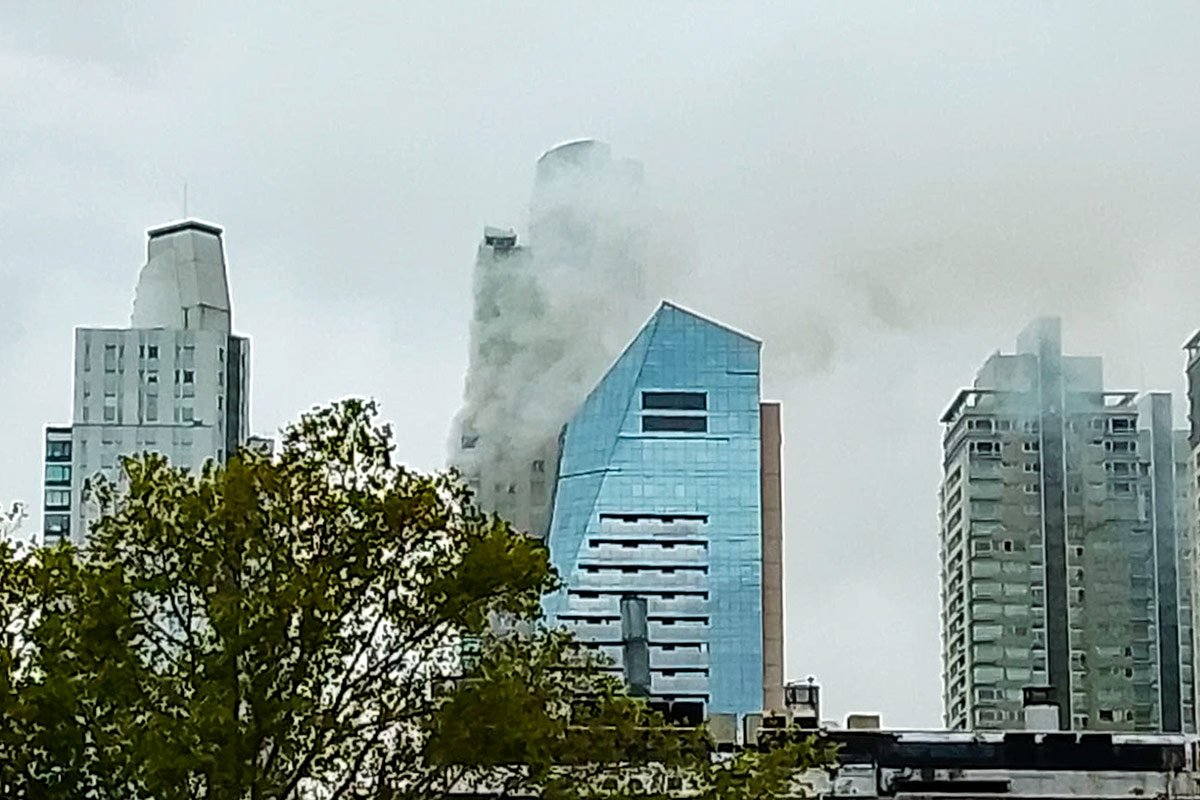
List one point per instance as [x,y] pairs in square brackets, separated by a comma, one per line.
[659,499]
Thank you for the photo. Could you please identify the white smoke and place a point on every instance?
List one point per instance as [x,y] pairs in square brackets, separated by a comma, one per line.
[550,316]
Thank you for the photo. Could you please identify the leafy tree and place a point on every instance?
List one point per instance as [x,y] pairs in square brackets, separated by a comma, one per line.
[291,627]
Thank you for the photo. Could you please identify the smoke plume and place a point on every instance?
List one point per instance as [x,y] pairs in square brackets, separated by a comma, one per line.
[550,316]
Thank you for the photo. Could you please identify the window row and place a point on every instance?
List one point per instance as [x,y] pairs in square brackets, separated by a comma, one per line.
[674,424]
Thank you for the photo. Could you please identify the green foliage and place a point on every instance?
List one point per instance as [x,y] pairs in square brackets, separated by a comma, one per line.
[291,627]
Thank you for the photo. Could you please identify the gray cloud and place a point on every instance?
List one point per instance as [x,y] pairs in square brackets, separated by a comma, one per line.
[883,195]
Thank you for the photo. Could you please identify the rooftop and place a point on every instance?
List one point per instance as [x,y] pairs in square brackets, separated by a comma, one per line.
[185,225]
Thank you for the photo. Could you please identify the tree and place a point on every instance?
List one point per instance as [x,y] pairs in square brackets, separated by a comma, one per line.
[291,627]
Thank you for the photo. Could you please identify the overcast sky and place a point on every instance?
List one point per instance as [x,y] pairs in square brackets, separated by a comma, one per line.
[885,193]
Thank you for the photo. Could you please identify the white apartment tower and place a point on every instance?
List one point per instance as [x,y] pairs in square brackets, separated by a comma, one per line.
[174,382]
[1066,557]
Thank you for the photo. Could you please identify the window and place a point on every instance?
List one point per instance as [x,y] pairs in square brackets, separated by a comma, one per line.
[1030,447]
[986,448]
[55,450]
[151,408]
[189,376]
[539,465]
[688,424]
[58,473]
[110,358]
[58,524]
[58,498]
[469,441]
[681,401]
[152,351]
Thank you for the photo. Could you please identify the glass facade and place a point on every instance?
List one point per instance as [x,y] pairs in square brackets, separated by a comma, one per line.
[658,498]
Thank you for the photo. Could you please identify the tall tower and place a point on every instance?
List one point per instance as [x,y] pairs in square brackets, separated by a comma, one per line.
[669,493]
[1061,547]
[174,382]
[1191,448]
[548,319]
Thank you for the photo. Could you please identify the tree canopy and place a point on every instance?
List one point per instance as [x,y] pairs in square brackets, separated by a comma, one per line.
[291,626]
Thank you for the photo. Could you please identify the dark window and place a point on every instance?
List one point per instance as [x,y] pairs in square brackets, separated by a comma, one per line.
[684,424]
[684,401]
[152,351]
[57,450]
[58,524]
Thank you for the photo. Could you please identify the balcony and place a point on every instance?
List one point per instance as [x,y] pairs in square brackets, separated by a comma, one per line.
[678,683]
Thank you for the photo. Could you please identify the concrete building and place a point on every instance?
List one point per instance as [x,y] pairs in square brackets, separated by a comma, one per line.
[175,382]
[667,524]
[548,319]
[1191,475]
[1062,547]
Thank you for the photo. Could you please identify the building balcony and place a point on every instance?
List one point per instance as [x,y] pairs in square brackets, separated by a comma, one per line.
[678,683]
[655,581]
[646,553]
[681,657]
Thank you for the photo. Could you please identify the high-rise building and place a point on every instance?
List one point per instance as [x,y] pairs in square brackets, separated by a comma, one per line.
[667,524]
[175,382]
[548,319]
[1065,562]
[1191,476]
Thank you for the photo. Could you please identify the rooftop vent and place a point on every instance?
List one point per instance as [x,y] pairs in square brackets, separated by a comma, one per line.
[862,722]
[500,238]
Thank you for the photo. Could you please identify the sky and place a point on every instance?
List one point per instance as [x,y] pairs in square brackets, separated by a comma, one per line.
[884,193]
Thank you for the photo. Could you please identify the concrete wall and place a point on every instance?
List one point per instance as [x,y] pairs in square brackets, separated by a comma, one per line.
[772,556]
